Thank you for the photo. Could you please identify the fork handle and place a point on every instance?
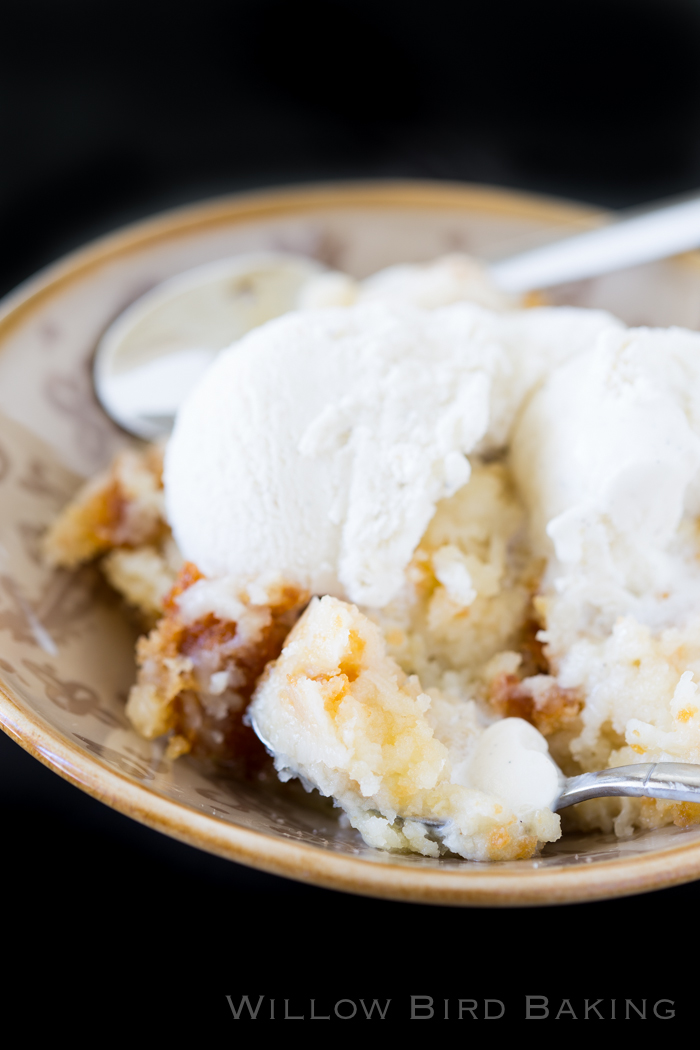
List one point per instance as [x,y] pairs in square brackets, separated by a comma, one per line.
[672,780]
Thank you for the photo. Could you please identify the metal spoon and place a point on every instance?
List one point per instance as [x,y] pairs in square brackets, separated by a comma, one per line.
[655,232]
[152,354]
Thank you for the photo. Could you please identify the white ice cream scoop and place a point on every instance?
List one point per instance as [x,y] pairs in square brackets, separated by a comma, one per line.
[154,352]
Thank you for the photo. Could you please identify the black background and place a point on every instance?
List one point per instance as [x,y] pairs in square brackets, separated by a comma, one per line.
[111,111]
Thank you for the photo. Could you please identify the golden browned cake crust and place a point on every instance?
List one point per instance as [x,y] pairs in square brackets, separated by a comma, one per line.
[119,517]
[123,507]
[538,700]
[195,678]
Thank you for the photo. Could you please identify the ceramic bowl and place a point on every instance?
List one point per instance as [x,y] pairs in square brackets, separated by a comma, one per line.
[66,647]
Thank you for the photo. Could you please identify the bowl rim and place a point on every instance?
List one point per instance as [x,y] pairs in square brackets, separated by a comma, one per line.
[486,884]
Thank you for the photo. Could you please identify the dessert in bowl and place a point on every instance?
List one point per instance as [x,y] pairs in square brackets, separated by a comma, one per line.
[428,627]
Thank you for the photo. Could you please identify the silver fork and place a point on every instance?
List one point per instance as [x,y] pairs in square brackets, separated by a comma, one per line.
[677,781]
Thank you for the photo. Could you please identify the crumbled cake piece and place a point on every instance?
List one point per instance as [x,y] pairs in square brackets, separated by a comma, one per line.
[642,705]
[538,699]
[340,713]
[469,588]
[198,667]
[144,576]
[123,507]
[119,516]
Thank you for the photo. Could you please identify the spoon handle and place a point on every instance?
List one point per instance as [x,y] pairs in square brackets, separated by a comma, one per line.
[671,780]
[654,234]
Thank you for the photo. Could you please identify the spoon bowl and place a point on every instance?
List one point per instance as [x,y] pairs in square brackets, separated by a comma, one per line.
[154,352]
